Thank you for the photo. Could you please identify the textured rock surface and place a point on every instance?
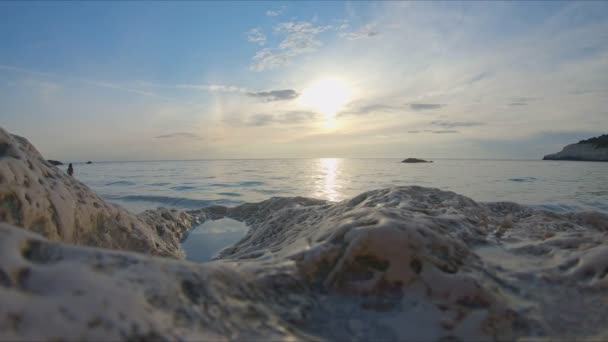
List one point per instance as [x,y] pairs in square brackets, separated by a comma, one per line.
[595,149]
[40,197]
[406,263]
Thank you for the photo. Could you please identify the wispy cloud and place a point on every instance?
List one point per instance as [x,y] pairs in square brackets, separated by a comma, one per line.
[522,101]
[45,88]
[182,135]
[275,12]
[446,131]
[256,36]
[367,31]
[287,118]
[275,95]
[425,106]
[95,83]
[454,124]
[25,70]
[301,38]
[220,88]
[371,109]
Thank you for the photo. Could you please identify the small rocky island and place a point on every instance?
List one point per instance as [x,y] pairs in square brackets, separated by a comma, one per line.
[593,149]
[415,160]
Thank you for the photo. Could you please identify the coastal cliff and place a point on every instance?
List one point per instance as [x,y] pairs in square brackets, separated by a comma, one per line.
[401,263]
[594,149]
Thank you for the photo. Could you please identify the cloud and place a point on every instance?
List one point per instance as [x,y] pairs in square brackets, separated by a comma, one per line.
[425,106]
[224,88]
[287,118]
[256,36]
[95,83]
[413,132]
[219,88]
[378,107]
[447,131]
[275,12]
[261,120]
[521,101]
[364,32]
[275,95]
[481,76]
[182,135]
[370,109]
[46,89]
[454,124]
[300,39]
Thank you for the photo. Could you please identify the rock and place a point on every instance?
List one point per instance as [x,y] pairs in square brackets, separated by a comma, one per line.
[41,198]
[415,160]
[54,291]
[594,149]
[55,162]
[89,162]
[403,263]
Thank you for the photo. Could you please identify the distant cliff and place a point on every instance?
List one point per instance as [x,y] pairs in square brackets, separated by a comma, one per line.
[594,149]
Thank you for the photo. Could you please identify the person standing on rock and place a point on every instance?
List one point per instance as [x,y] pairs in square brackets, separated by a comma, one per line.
[70,170]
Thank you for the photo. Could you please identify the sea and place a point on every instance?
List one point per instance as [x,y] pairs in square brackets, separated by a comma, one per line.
[559,186]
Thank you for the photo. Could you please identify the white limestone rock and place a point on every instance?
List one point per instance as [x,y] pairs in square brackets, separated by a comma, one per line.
[407,263]
[38,196]
[53,291]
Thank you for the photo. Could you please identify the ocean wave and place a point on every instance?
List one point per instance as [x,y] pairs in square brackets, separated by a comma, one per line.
[267,191]
[523,179]
[231,194]
[238,184]
[183,187]
[121,183]
[176,202]
[251,183]
[221,185]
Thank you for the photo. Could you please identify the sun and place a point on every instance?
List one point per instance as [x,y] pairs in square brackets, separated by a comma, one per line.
[327,96]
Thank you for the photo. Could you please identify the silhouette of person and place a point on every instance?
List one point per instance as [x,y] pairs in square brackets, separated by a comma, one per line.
[70,170]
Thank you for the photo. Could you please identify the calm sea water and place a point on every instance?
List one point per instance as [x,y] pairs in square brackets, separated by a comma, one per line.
[554,185]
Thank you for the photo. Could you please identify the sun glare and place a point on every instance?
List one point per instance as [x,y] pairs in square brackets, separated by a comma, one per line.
[327,96]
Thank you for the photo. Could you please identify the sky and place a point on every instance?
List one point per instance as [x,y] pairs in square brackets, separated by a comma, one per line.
[203,80]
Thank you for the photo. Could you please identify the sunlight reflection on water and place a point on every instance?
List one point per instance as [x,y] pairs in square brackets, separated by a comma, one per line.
[326,187]
[146,185]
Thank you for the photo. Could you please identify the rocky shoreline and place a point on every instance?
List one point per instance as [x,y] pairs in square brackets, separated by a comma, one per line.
[403,263]
[594,149]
